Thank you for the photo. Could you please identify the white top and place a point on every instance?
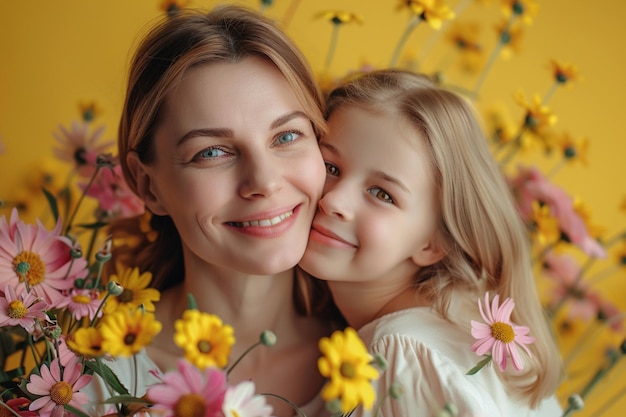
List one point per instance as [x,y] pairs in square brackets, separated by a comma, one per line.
[97,390]
[429,356]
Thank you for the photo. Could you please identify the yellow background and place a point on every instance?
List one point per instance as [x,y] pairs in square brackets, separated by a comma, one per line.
[55,54]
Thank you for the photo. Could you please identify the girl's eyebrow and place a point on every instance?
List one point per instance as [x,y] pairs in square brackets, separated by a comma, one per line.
[228,133]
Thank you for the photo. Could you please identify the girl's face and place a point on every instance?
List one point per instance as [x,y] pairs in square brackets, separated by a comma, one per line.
[238,167]
[378,215]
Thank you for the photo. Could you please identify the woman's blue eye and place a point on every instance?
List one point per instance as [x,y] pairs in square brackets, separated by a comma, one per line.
[287,137]
[331,169]
[380,194]
[211,153]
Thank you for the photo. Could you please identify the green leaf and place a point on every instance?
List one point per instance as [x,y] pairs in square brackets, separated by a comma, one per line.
[75,410]
[52,201]
[92,226]
[480,365]
[107,375]
[125,399]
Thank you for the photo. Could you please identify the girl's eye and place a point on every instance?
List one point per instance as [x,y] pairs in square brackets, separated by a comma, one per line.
[331,169]
[381,194]
[287,137]
[210,153]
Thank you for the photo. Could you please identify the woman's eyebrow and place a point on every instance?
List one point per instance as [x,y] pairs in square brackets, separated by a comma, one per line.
[210,132]
[289,116]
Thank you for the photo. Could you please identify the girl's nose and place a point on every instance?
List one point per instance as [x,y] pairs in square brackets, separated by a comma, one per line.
[338,203]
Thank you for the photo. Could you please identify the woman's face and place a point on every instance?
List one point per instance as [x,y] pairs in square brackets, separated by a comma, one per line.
[237,167]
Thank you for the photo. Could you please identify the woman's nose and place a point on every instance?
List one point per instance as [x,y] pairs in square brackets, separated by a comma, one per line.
[261,177]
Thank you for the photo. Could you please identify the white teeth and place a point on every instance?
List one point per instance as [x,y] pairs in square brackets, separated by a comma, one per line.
[265,222]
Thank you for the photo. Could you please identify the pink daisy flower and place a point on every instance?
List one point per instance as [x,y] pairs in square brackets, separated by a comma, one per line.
[82,303]
[190,391]
[31,254]
[21,309]
[56,392]
[77,145]
[499,335]
[240,401]
[116,199]
[530,185]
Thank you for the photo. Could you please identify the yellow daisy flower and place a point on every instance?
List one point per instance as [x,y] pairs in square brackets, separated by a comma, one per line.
[346,363]
[89,110]
[545,227]
[620,255]
[526,10]
[86,341]
[204,338]
[339,17]
[511,39]
[573,150]
[564,73]
[537,116]
[135,291]
[434,12]
[125,332]
[584,211]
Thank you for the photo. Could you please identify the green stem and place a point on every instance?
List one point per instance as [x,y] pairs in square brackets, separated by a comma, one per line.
[611,401]
[242,356]
[333,45]
[550,92]
[291,11]
[291,404]
[405,36]
[492,58]
[68,227]
[556,168]
[602,274]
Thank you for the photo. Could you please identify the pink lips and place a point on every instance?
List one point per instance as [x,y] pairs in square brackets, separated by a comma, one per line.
[326,237]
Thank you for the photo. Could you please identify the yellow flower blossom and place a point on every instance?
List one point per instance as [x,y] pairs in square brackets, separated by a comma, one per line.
[620,255]
[499,126]
[511,39]
[573,150]
[204,338]
[346,363]
[434,12]
[564,73]
[583,210]
[339,17]
[86,341]
[545,227]
[89,110]
[136,291]
[171,7]
[537,115]
[126,332]
[525,10]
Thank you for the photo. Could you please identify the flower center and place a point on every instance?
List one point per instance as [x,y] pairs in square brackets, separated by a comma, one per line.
[61,393]
[129,339]
[233,413]
[17,310]
[81,299]
[204,346]
[126,296]
[347,370]
[502,332]
[28,265]
[190,405]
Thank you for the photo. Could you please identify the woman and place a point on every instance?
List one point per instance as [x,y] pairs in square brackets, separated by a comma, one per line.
[218,136]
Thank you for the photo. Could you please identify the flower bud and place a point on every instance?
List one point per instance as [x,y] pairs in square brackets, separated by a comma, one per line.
[334,406]
[52,331]
[576,402]
[104,254]
[268,338]
[76,253]
[114,288]
[396,390]
[380,362]
[79,283]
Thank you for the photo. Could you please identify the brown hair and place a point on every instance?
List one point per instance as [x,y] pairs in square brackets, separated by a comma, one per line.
[484,239]
[176,44]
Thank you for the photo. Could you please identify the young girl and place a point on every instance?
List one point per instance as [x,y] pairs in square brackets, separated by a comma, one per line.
[415,224]
[219,137]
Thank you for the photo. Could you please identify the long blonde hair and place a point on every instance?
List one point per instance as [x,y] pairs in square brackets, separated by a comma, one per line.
[485,241]
[176,44]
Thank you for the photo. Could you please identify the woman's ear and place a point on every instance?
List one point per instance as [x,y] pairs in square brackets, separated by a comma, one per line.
[145,185]
[429,254]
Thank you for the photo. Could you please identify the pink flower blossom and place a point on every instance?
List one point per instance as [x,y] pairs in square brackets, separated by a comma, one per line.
[116,199]
[499,335]
[200,392]
[530,185]
[240,401]
[82,303]
[79,148]
[565,271]
[55,391]
[31,254]
[21,309]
